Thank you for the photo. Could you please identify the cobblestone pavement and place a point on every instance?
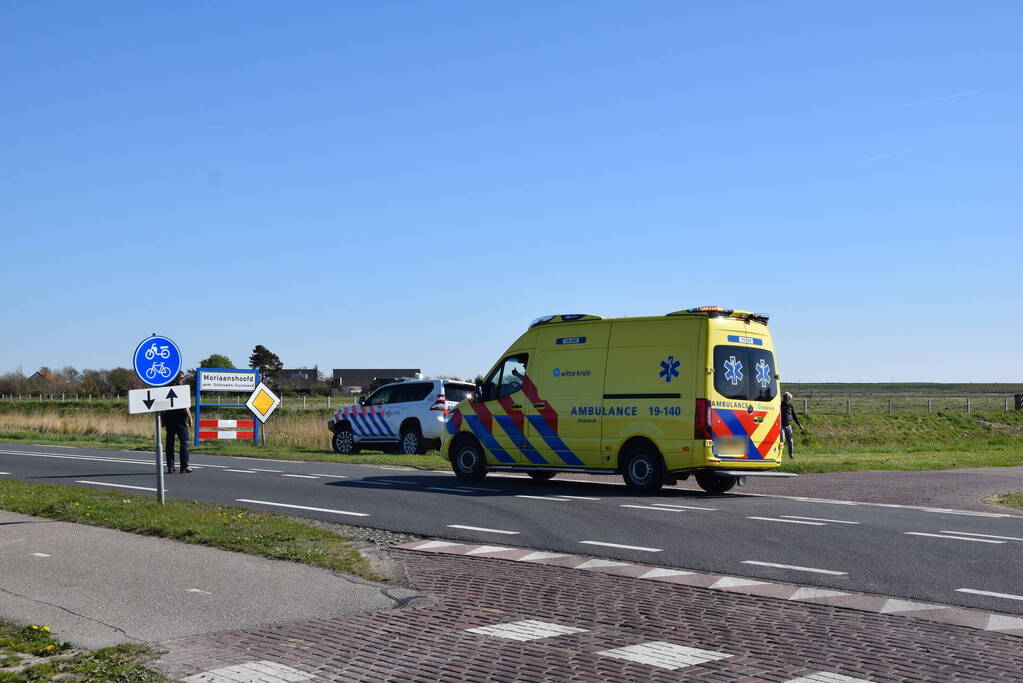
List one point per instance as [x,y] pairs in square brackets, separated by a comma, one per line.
[501,620]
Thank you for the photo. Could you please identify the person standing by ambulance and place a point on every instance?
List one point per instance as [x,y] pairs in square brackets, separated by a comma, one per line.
[788,414]
[176,422]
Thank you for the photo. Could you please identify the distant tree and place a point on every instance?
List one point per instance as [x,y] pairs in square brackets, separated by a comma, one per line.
[120,380]
[217,360]
[266,361]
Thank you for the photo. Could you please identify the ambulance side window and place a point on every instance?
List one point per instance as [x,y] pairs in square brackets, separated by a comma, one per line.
[506,378]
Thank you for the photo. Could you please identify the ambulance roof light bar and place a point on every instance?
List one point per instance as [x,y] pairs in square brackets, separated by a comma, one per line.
[719,311]
[562,318]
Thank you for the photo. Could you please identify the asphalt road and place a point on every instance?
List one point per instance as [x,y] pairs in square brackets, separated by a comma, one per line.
[967,558]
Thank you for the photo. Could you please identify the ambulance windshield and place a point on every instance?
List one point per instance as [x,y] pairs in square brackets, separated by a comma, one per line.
[744,373]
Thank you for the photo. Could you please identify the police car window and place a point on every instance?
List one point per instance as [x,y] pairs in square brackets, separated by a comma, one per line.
[732,372]
[763,385]
[457,392]
[380,397]
[417,391]
[513,374]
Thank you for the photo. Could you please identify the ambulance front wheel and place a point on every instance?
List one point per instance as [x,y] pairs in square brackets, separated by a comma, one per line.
[468,461]
[644,470]
[711,483]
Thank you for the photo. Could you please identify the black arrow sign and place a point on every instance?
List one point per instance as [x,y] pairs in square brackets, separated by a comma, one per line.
[149,401]
[171,395]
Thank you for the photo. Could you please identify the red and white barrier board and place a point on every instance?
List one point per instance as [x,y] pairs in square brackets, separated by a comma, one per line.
[212,429]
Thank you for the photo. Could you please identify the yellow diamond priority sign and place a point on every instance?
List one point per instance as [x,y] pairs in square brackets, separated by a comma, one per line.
[262,402]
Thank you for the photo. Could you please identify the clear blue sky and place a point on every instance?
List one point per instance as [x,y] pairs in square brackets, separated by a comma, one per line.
[409,184]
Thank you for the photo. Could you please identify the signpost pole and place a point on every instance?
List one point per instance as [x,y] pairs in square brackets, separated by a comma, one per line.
[159,464]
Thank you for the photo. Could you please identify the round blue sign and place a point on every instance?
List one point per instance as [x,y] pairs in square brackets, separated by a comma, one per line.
[157,361]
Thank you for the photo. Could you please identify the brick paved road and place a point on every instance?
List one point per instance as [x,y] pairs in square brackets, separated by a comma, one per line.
[585,621]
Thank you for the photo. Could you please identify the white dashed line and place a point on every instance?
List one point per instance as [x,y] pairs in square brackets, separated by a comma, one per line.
[242,471]
[664,655]
[525,630]
[969,533]
[650,507]
[39,555]
[4,472]
[684,507]
[962,512]
[119,486]
[554,498]
[475,488]
[301,476]
[441,488]
[954,538]
[336,476]
[818,519]
[789,521]
[196,590]
[256,469]
[795,568]
[625,547]
[973,591]
[219,467]
[479,528]
[573,497]
[302,507]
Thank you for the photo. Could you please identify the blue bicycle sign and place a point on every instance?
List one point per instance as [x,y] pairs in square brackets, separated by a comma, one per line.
[157,361]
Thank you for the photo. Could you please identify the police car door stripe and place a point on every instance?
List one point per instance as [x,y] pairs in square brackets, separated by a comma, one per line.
[552,439]
[364,424]
[519,439]
[377,415]
[487,439]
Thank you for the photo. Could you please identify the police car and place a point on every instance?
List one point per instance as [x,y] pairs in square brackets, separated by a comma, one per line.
[404,416]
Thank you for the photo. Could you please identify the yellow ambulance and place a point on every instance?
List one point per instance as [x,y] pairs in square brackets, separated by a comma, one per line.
[655,399]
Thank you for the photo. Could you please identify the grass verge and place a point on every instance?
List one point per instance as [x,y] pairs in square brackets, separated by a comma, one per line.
[31,653]
[1009,500]
[225,527]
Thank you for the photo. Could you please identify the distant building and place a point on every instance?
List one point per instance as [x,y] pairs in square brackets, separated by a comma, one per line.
[43,376]
[346,379]
[298,378]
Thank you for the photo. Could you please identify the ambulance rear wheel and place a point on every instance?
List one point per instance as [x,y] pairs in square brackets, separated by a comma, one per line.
[541,476]
[468,461]
[343,441]
[711,483]
[644,470]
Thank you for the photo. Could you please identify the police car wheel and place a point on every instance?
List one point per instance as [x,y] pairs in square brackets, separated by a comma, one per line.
[711,483]
[468,462]
[343,441]
[541,476]
[412,441]
[644,470]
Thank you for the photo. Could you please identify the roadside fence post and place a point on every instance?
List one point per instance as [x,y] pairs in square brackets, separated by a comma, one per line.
[889,406]
[804,407]
[303,403]
[848,407]
[1006,404]
[929,402]
[328,403]
[967,406]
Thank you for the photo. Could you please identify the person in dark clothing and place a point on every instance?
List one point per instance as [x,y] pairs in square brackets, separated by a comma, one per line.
[788,415]
[176,422]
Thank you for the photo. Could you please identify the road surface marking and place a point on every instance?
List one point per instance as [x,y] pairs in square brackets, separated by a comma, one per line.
[40,555]
[263,670]
[196,590]
[795,568]
[829,502]
[219,467]
[241,471]
[954,538]
[301,476]
[789,521]
[302,507]
[650,507]
[476,488]
[532,557]
[256,469]
[1007,596]
[400,483]
[480,528]
[441,488]
[581,497]
[826,677]
[818,519]
[591,564]
[119,486]
[970,533]
[664,655]
[968,514]
[4,472]
[554,498]
[659,572]
[125,461]
[626,547]
[336,476]
[526,630]
[684,507]
[242,457]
